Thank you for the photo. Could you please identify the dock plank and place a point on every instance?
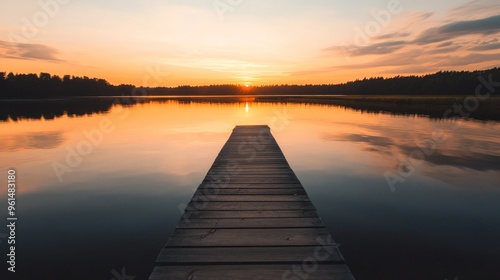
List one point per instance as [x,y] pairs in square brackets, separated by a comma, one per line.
[232,255]
[251,191]
[247,237]
[249,272]
[259,222]
[223,185]
[203,205]
[251,198]
[194,214]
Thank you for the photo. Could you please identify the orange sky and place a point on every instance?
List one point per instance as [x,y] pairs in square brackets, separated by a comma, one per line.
[200,42]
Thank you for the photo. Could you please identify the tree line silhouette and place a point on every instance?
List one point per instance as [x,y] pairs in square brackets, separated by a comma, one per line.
[44,85]
[22,86]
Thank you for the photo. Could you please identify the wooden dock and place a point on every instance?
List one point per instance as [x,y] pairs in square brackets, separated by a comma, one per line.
[250,219]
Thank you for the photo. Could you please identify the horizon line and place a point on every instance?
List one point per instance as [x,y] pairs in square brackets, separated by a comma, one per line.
[261,86]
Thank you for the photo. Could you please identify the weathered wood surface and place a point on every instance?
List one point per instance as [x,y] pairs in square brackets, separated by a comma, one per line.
[250,218]
[249,272]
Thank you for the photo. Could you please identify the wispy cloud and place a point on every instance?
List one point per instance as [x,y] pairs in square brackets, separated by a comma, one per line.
[475,9]
[394,35]
[445,34]
[487,46]
[444,49]
[485,26]
[416,19]
[28,51]
[377,48]
[399,59]
[457,43]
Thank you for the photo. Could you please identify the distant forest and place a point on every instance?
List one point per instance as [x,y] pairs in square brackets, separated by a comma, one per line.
[44,85]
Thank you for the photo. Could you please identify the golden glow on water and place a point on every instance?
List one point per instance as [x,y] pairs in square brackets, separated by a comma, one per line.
[182,140]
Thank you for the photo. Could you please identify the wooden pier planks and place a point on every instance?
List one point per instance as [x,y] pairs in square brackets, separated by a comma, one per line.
[250,219]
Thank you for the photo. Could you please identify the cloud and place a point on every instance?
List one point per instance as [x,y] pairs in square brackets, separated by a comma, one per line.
[416,19]
[378,48]
[486,47]
[443,50]
[398,59]
[444,33]
[419,17]
[485,26]
[442,46]
[475,8]
[392,35]
[28,51]
[445,44]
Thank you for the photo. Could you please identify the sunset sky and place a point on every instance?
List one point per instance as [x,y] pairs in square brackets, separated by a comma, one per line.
[248,42]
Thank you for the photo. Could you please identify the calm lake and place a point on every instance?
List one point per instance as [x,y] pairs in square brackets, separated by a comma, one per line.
[100,186]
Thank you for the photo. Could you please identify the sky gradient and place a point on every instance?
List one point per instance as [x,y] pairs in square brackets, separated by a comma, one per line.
[248,42]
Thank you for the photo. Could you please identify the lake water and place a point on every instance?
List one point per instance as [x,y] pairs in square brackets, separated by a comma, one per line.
[99,193]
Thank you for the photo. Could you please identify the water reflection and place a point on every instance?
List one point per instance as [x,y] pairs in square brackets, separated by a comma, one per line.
[40,140]
[49,110]
[116,207]
[485,157]
[45,109]
[465,146]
